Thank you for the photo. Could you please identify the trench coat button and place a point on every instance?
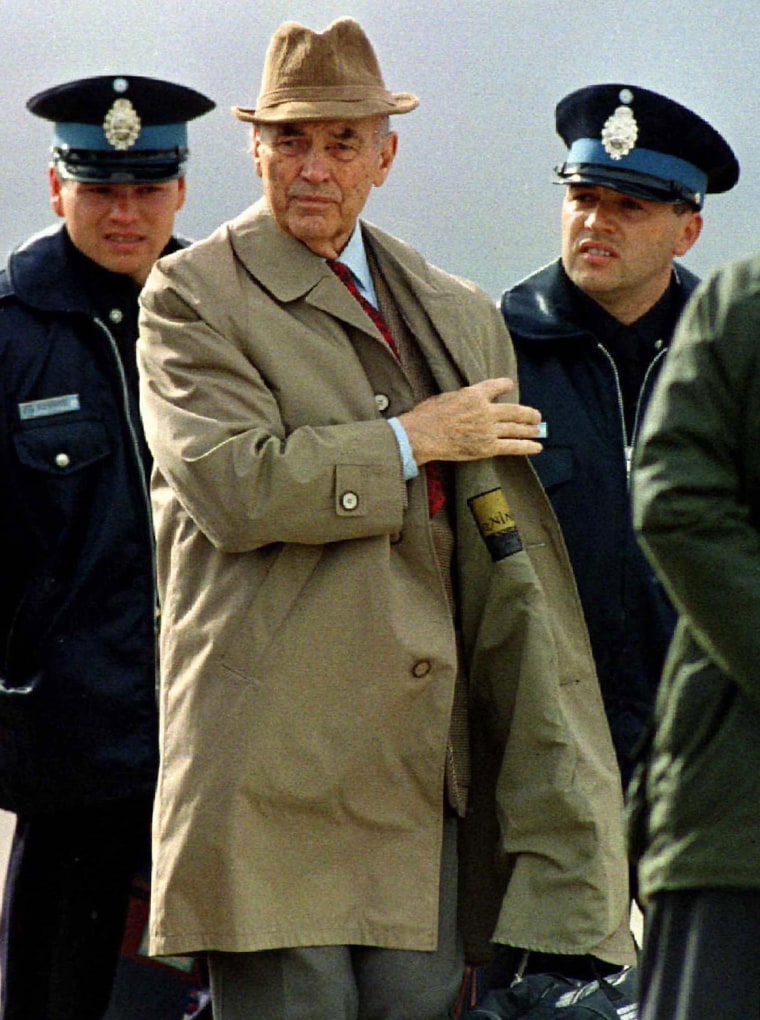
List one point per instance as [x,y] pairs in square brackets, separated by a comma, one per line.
[421,668]
[395,538]
[62,460]
[349,501]
[382,401]
[116,316]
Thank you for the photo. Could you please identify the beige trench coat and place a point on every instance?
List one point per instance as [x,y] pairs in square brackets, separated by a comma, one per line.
[308,656]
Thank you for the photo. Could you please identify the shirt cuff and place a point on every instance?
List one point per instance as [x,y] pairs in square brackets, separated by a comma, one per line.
[408,463]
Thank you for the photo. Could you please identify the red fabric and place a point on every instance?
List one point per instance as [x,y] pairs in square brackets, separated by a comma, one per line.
[436,495]
[135,940]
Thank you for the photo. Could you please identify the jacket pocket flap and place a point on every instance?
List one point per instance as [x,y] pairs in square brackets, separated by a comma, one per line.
[62,447]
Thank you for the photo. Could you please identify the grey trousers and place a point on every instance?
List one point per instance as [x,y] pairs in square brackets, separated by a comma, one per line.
[347,982]
[701,956]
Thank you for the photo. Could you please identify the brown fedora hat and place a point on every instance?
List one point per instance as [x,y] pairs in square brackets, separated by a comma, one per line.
[330,75]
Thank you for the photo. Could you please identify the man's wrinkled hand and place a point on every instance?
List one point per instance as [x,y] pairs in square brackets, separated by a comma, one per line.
[471,424]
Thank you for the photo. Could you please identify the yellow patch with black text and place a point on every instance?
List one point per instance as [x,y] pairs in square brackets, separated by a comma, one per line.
[496,524]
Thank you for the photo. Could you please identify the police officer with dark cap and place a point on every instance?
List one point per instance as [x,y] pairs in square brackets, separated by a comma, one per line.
[591,331]
[78,720]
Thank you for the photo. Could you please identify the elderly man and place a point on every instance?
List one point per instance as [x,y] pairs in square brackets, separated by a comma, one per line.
[353,553]
[591,332]
[78,718]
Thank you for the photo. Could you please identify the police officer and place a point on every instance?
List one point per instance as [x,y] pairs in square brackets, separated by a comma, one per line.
[591,331]
[78,721]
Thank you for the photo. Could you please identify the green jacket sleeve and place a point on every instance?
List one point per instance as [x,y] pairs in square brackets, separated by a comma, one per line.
[695,482]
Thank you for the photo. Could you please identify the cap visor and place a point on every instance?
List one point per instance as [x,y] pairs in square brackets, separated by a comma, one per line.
[627,183]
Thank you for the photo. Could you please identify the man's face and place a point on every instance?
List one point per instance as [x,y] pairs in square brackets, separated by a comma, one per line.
[619,249]
[122,227]
[318,175]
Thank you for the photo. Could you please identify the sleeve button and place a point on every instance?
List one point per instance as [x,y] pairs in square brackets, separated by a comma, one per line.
[349,501]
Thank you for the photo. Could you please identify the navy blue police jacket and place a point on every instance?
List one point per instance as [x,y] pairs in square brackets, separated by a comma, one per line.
[78,716]
[566,373]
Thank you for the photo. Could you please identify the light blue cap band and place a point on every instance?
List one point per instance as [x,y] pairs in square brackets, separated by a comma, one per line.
[644,161]
[156,137]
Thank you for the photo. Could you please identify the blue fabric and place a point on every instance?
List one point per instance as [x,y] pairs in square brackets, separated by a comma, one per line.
[157,137]
[644,161]
[78,717]
[409,464]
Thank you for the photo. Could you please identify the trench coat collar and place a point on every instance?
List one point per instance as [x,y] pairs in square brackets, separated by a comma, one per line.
[288,270]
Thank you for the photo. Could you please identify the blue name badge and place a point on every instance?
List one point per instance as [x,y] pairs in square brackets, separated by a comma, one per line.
[49,406]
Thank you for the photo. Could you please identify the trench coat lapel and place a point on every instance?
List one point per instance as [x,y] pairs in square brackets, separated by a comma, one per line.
[290,272]
[433,314]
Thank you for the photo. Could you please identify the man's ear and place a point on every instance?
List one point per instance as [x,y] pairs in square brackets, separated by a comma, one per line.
[181,192]
[388,151]
[255,149]
[690,231]
[56,186]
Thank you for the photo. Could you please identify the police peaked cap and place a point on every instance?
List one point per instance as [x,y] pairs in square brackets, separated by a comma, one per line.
[120,128]
[641,143]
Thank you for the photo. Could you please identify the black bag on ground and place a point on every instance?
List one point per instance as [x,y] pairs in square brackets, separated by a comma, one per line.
[552,997]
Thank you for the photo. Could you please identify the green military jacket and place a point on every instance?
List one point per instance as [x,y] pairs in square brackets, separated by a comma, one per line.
[695,805]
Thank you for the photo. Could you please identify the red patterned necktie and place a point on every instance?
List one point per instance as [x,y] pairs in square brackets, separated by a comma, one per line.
[436,495]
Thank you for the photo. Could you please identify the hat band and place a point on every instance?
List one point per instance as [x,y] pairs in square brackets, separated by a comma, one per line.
[644,161]
[93,137]
[325,94]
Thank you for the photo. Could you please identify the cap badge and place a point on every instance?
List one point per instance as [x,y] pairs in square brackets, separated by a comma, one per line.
[620,132]
[122,125]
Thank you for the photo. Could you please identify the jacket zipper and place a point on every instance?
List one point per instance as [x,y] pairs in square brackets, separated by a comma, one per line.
[644,387]
[627,448]
[140,472]
[630,443]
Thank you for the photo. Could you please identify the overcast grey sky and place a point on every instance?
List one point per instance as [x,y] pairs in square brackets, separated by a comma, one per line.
[471,188]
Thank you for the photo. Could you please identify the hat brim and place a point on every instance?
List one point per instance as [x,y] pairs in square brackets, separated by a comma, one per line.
[628,182]
[328,109]
[90,167]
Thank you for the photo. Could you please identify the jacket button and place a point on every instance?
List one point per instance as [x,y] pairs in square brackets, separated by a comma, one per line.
[349,501]
[62,460]
[116,316]
[421,668]
[382,401]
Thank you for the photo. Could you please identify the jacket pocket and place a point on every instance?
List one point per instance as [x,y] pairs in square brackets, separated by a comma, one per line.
[266,614]
[715,780]
[705,745]
[695,699]
[19,746]
[65,479]
[63,447]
